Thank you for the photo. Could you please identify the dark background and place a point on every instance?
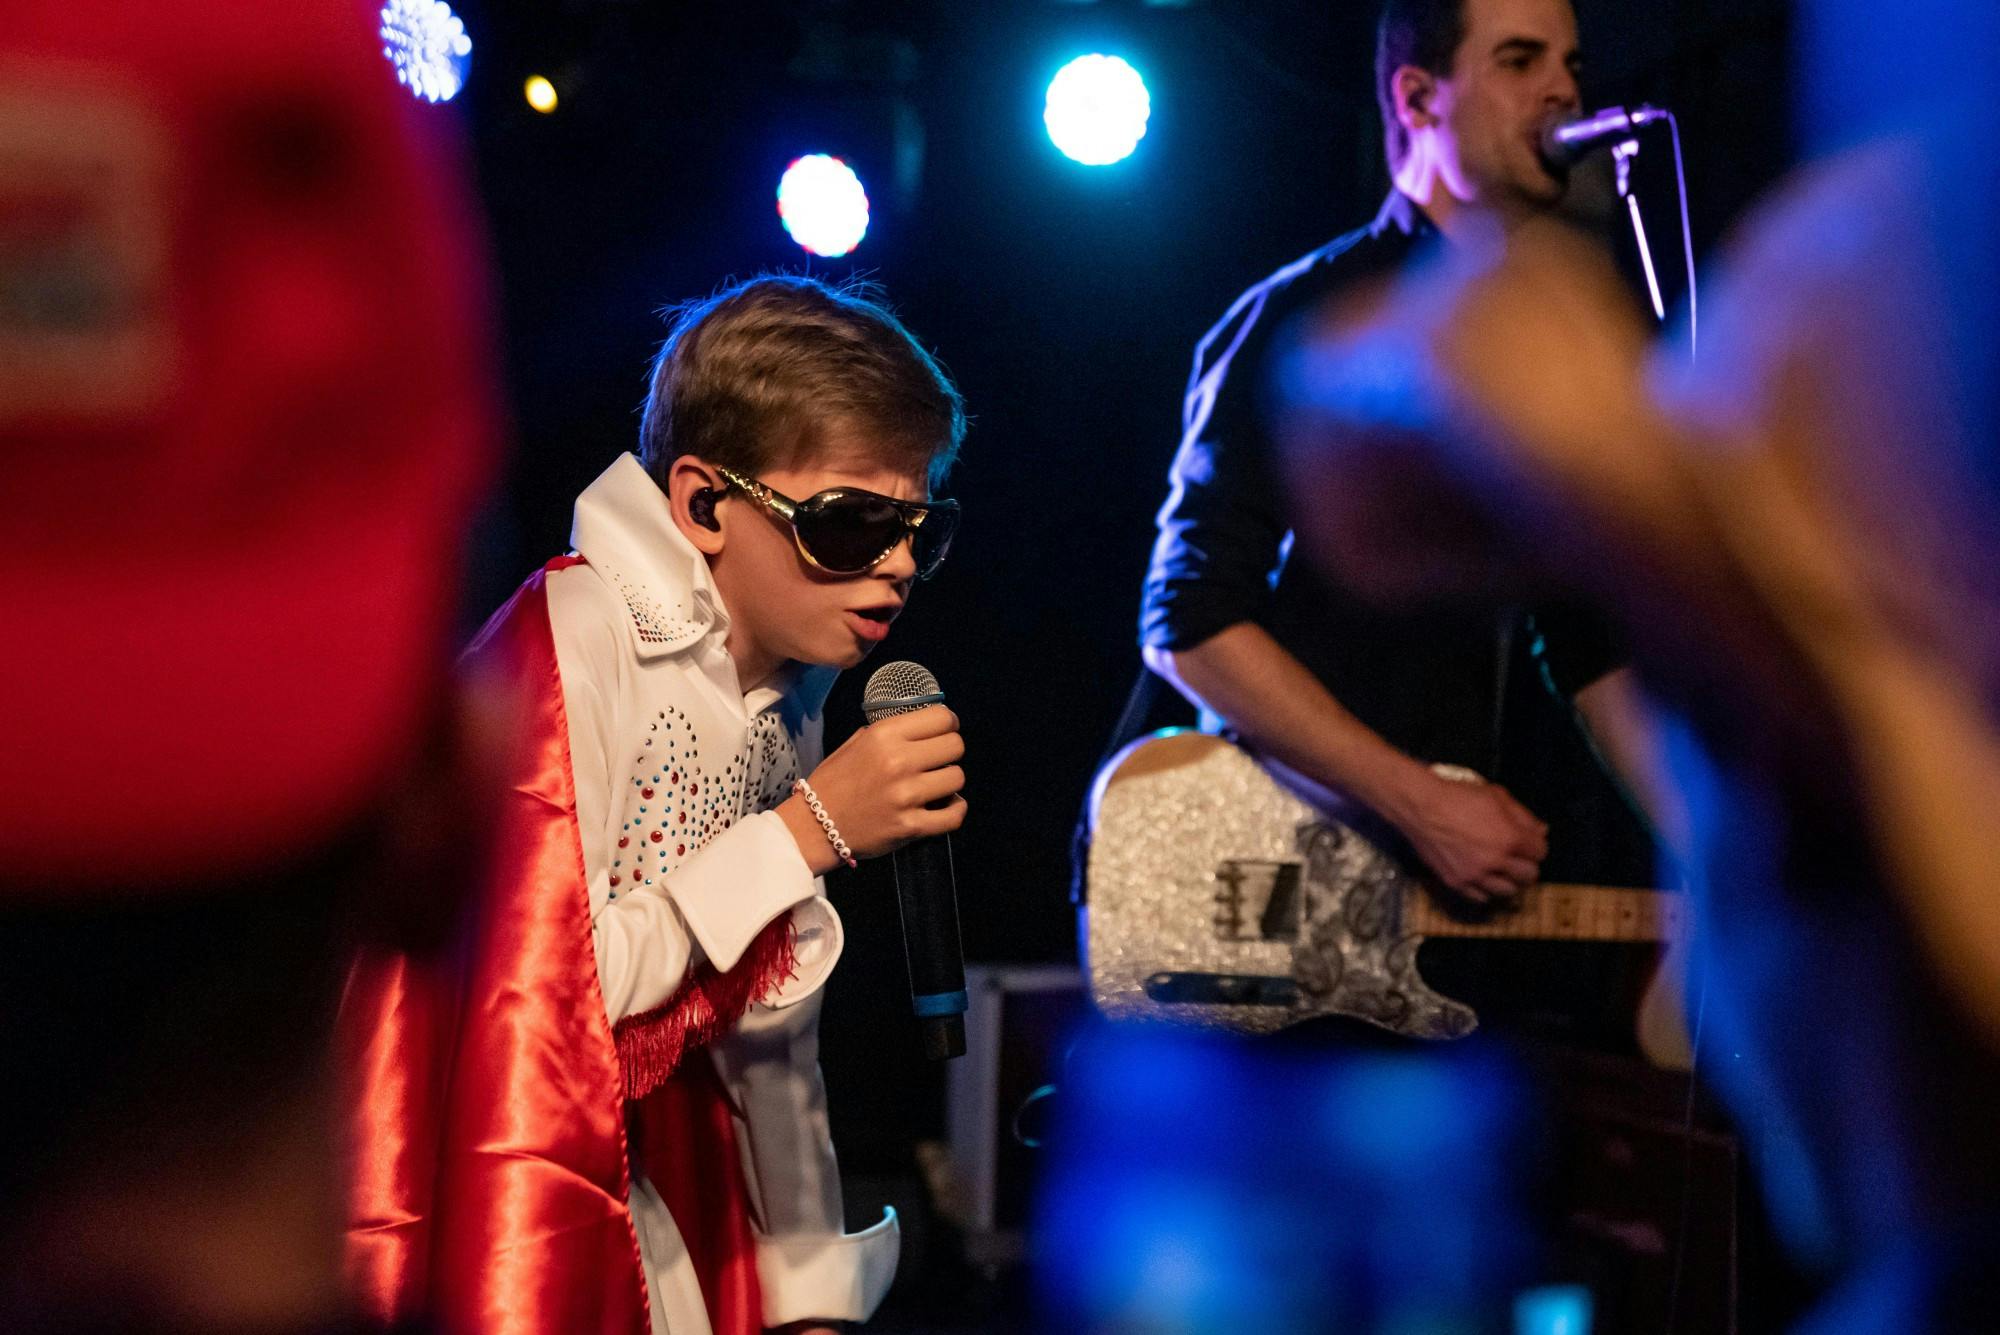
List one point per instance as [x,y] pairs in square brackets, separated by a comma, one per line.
[1066,301]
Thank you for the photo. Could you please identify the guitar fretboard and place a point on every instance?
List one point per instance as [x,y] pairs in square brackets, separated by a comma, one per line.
[1561,913]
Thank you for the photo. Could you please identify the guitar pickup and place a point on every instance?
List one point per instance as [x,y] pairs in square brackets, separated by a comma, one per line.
[1265,894]
[1222,989]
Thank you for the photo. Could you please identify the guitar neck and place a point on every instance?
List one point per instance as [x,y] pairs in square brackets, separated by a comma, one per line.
[1561,913]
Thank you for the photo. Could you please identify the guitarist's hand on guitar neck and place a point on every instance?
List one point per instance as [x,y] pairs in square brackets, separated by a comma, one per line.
[1477,840]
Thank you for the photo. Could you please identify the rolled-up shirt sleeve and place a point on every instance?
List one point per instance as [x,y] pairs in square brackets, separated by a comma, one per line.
[1222,532]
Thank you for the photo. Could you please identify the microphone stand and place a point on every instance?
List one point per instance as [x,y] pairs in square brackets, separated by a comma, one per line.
[1621,157]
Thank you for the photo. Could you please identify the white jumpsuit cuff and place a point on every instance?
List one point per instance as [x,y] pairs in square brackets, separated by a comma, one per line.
[841,1277]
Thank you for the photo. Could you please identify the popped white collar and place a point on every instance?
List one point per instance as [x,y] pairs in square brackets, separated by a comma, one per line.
[623,528]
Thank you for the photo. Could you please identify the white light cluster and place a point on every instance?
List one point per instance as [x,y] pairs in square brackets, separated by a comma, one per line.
[428,45]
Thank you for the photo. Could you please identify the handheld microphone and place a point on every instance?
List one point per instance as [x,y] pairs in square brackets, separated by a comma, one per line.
[926,891]
[1565,141]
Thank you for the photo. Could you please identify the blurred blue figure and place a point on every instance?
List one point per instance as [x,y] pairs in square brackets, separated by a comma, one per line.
[1203,1185]
[1801,536]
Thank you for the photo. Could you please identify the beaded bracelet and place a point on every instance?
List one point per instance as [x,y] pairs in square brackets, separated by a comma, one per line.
[803,789]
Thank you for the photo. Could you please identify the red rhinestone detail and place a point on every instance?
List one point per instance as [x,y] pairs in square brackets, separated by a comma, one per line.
[680,850]
[623,840]
[614,878]
[657,836]
[646,793]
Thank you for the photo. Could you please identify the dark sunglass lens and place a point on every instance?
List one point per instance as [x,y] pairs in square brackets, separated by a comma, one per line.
[933,541]
[849,533]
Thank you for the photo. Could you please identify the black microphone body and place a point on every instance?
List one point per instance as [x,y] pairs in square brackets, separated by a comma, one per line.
[927,893]
[1566,141]
[926,889]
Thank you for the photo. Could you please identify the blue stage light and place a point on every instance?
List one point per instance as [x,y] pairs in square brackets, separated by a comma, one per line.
[822,204]
[1559,1309]
[428,45]
[1097,109]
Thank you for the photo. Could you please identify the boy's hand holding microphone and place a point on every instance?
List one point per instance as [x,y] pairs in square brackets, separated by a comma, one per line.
[893,787]
[896,780]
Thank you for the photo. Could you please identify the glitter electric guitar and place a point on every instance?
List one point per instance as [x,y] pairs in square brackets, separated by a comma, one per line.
[1221,897]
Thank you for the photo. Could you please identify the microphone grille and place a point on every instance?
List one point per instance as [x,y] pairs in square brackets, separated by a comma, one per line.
[898,688]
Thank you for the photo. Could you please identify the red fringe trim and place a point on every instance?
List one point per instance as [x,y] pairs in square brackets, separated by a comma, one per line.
[651,1045]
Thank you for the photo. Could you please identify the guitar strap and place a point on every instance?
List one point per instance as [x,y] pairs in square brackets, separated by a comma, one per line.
[1503,668]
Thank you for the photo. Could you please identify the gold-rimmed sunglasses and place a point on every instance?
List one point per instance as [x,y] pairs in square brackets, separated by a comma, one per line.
[845,530]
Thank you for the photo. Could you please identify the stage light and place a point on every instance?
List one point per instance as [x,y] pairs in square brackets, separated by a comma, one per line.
[428,45]
[1559,1309]
[1097,109]
[822,205]
[541,94]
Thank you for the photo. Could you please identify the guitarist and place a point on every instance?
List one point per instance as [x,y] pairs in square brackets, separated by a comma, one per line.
[1363,702]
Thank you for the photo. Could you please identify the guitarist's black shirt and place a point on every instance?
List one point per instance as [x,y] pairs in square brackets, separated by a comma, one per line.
[1475,686]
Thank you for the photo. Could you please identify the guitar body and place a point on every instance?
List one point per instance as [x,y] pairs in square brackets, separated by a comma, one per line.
[1219,898]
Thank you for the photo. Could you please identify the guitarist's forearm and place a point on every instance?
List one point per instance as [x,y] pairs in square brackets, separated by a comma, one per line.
[1265,694]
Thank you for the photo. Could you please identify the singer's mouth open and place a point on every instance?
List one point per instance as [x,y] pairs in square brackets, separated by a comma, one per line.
[871,624]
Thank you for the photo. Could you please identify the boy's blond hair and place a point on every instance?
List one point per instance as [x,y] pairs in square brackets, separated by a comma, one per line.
[748,379]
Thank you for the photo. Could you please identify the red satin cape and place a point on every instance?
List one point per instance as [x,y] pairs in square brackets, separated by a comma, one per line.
[487,1099]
